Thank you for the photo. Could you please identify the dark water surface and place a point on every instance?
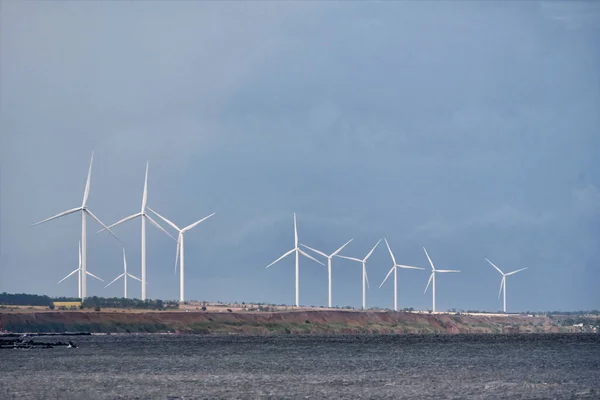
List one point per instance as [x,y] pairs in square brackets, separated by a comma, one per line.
[203,367]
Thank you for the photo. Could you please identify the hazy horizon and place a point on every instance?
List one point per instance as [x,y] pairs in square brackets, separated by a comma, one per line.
[470,128]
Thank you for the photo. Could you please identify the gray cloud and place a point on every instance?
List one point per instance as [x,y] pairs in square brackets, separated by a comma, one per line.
[470,128]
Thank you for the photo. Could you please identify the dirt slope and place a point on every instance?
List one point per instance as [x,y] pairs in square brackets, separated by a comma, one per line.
[303,322]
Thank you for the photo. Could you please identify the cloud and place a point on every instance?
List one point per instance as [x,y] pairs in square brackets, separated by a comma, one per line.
[503,217]
[572,15]
[587,201]
[402,120]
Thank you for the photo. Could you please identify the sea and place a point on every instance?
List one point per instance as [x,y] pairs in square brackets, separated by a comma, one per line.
[519,366]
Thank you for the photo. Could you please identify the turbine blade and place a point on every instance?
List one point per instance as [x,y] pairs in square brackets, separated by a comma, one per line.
[94,276]
[387,276]
[62,214]
[340,249]
[145,194]
[177,252]
[351,258]
[309,256]
[134,277]
[367,279]
[493,265]
[86,193]
[124,261]
[514,272]
[409,267]
[372,250]
[187,228]
[501,284]
[121,221]
[316,251]
[428,282]
[390,250]
[68,275]
[282,257]
[153,222]
[114,280]
[295,232]
[447,270]
[166,220]
[429,258]
[91,214]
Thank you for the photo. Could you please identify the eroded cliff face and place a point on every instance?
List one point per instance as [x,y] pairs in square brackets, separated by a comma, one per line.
[261,323]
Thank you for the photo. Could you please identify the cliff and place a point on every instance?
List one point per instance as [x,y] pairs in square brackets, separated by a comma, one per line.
[261,323]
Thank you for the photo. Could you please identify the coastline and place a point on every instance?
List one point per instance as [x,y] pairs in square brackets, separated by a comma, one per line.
[309,322]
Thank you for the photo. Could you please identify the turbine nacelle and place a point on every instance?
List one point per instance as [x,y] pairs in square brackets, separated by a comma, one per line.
[395,264]
[180,247]
[85,211]
[503,280]
[432,277]
[298,251]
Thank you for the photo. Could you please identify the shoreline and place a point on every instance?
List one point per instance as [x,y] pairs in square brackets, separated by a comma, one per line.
[309,322]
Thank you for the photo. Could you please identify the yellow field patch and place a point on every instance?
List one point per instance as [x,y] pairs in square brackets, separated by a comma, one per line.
[67,304]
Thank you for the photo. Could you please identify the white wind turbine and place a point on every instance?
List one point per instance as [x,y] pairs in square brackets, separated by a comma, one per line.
[298,251]
[395,269]
[144,215]
[84,212]
[124,275]
[78,270]
[503,281]
[432,276]
[365,278]
[180,248]
[329,257]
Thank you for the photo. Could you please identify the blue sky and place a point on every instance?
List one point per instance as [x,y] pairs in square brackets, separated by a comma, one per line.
[471,128]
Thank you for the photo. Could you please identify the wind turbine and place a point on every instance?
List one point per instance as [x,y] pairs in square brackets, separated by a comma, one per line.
[124,275]
[432,276]
[84,212]
[180,248]
[144,215]
[329,257]
[298,251]
[395,269]
[79,274]
[503,281]
[365,278]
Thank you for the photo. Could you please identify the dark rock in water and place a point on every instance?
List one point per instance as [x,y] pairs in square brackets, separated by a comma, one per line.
[21,343]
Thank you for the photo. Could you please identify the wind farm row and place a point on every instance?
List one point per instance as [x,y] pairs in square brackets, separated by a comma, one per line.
[297,250]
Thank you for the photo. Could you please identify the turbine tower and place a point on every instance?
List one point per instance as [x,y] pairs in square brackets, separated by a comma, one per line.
[432,276]
[180,248]
[503,281]
[124,275]
[329,257]
[144,215]
[395,269]
[365,278]
[78,270]
[298,251]
[84,212]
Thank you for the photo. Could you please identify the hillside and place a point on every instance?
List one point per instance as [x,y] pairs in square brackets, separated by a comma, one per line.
[284,322]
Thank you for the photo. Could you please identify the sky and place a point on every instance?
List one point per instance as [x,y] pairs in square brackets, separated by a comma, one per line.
[470,128]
